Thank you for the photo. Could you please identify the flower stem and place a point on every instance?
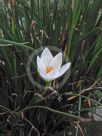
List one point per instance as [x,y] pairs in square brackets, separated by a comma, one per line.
[46,87]
[48,83]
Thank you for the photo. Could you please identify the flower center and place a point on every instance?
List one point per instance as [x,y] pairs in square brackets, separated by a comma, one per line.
[49,69]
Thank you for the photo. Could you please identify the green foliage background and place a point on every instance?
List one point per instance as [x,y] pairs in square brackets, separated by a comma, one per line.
[75,27]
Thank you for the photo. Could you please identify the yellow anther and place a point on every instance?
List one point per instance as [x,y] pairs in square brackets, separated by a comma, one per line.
[49,69]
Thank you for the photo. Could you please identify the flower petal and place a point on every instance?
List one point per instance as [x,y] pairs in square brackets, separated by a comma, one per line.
[57,61]
[42,74]
[64,68]
[41,69]
[53,75]
[60,72]
[46,56]
[45,76]
[40,64]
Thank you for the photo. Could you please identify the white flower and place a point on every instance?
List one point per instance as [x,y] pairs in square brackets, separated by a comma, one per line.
[49,67]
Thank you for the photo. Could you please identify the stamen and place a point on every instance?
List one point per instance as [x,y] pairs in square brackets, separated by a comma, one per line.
[49,69]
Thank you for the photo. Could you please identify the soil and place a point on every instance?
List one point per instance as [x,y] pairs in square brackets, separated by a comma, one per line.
[93,128]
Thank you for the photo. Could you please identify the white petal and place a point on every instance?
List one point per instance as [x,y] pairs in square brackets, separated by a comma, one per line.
[40,64]
[64,68]
[44,76]
[53,75]
[41,69]
[59,73]
[46,56]
[57,61]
